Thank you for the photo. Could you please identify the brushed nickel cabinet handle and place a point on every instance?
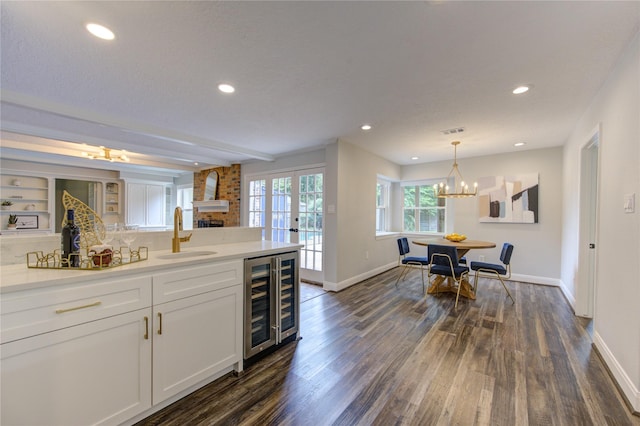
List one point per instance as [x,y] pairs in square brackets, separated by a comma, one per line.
[146,328]
[75,308]
[159,323]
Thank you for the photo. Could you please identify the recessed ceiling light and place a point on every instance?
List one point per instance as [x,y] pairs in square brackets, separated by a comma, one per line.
[366,127]
[519,144]
[195,164]
[415,158]
[520,90]
[100,31]
[226,88]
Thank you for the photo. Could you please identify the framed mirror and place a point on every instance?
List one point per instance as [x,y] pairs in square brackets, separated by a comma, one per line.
[211,186]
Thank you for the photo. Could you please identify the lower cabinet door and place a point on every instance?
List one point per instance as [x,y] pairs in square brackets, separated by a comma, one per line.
[195,338]
[94,373]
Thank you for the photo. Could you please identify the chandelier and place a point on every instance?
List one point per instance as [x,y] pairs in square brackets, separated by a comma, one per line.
[443,191]
[107,154]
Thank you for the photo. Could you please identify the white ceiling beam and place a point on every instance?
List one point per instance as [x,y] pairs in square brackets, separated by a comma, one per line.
[67,111]
[58,135]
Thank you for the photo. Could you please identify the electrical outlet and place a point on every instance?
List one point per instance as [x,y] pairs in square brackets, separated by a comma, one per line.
[481,258]
[366,255]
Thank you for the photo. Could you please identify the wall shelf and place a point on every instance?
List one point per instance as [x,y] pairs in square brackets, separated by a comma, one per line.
[30,196]
[212,205]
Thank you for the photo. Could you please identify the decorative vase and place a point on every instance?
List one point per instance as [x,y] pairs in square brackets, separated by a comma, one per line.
[11,226]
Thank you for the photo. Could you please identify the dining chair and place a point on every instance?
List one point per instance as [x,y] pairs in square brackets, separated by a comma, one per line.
[489,270]
[409,261]
[444,261]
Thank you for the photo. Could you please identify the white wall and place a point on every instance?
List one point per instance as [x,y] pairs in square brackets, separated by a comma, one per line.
[352,249]
[289,162]
[616,109]
[536,256]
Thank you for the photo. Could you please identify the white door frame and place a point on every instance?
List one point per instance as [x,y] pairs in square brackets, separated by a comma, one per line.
[306,274]
[588,226]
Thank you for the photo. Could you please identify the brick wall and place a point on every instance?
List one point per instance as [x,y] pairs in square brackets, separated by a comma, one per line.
[228,189]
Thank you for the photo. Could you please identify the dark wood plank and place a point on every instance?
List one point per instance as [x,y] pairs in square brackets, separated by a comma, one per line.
[376,355]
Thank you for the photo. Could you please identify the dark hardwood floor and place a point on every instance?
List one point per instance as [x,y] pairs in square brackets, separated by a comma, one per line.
[374,354]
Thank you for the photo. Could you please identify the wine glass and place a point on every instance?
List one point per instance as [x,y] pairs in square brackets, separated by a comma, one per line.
[128,235]
[111,231]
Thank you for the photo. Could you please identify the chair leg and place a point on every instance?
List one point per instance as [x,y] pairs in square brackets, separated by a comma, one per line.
[459,287]
[402,271]
[506,289]
[403,274]
[475,284]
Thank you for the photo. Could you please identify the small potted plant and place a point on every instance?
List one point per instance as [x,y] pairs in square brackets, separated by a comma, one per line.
[6,204]
[13,220]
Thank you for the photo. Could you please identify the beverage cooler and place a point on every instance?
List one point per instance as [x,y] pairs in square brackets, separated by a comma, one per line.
[272,301]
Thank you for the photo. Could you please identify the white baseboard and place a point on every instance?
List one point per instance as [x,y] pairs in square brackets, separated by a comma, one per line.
[556,282]
[624,382]
[330,286]
[567,295]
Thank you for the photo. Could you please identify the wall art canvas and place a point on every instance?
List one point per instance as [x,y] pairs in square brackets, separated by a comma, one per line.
[508,199]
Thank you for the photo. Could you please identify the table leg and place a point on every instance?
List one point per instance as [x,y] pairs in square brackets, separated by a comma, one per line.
[438,285]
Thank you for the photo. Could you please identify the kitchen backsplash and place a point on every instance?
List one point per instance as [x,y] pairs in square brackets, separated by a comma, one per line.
[13,249]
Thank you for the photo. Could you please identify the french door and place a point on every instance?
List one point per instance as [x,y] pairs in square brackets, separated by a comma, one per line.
[289,208]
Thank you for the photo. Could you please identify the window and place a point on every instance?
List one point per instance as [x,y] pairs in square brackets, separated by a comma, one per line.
[423,211]
[257,204]
[382,205]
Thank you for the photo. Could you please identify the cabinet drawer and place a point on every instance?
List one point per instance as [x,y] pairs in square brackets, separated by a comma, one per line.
[196,280]
[30,312]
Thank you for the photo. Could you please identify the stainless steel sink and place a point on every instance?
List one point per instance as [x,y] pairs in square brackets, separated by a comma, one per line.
[186,254]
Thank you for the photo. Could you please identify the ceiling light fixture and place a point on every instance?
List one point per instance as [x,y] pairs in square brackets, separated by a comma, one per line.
[226,88]
[442,189]
[100,31]
[366,127]
[521,89]
[519,144]
[415,158]
[107,154]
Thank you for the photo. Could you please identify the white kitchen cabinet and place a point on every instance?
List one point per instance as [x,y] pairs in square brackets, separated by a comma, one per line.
[145,204]
[107,351]
[93,373]
[194,338]
[197,331]
[76,354]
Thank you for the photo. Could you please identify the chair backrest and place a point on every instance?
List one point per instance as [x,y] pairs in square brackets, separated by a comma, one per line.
[505,255]
[403,246]
[450,251]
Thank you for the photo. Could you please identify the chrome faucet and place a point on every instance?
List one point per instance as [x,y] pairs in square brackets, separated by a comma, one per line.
[177,226]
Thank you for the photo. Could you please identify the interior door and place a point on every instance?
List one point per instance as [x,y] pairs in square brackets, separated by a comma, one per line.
[587,251]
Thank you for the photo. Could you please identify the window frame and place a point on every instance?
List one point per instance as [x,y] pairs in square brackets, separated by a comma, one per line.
[382,225]
[445,208]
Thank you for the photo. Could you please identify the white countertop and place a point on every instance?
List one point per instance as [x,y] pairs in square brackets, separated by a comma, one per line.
[19,277]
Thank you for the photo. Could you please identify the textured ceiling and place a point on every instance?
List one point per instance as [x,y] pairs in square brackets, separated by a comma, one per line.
[306,73]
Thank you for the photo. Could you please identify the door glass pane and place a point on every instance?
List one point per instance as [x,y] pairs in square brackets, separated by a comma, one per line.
[281,209]
[257,202]
[310,202]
